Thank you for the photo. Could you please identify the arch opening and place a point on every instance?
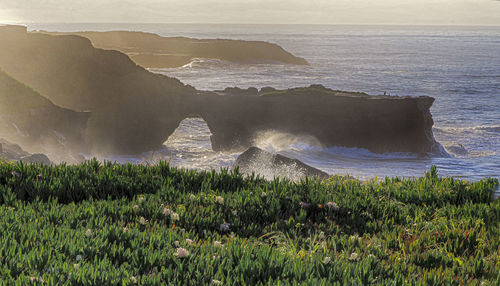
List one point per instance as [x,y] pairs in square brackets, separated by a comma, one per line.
[190,147]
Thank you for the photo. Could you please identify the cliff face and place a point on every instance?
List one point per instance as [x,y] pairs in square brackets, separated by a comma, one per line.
[153,51]
[335,118]
[35,123]
[134,110]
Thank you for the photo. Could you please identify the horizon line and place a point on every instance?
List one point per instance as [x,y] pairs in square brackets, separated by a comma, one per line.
[263,24]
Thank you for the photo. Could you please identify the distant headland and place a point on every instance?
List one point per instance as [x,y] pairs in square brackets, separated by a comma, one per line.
[153,51]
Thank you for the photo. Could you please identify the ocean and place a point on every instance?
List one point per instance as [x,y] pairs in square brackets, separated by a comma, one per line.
[458,66]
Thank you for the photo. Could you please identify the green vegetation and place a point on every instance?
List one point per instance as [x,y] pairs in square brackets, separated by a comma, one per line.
[151,225]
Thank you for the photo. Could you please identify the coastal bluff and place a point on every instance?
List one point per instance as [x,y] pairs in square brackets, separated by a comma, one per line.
[134,110]
[153,51]
[38,125]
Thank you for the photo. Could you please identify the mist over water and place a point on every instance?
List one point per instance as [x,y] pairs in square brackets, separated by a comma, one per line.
[458,66]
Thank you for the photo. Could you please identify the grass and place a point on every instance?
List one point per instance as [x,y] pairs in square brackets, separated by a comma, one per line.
[109,224]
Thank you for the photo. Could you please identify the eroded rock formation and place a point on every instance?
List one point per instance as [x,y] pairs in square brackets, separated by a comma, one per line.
[134,110]
[153,51]
[334,118]
[35,123]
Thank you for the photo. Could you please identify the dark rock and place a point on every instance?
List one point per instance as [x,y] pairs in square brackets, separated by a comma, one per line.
[457,149]
[258,161]
[239,91]
[267,89]
[377,123]
[36,158]
[13,152]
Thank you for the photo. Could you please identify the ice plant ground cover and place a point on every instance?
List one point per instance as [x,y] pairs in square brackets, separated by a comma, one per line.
[108,224]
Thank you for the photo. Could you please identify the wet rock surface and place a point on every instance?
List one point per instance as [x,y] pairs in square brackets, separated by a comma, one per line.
[258,161]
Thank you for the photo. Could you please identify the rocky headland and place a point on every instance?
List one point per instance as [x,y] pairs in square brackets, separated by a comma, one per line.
[134,110]
[38,125]
[335,118]
[153,51]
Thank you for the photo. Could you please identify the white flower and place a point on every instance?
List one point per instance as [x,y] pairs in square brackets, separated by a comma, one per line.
[36,279]
[79,258]
[167,211]
[219,200]
[192,197]
[182,252]
[135,207]
[218,244]
[327,260]
[142,220]
[189,241]
[217,282]
[88,233]
[125,229]
[140,199]
[304,205]
[333,206]
[174,216]
[322,235]
[133,279]
[354,256]
[354,238]
[225,226]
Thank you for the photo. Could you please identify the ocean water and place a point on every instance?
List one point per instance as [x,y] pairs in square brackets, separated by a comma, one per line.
[458,66]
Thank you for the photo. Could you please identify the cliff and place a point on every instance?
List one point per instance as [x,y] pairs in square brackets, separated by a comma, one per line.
[134,110]
[335,118]
[153,51]
[35,123]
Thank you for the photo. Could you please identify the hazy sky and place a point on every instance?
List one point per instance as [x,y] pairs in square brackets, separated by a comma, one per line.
[449,12]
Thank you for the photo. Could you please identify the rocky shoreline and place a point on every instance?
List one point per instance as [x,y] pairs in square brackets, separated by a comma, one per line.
[114,106]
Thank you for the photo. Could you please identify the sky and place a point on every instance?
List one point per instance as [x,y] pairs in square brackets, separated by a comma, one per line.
[399,12]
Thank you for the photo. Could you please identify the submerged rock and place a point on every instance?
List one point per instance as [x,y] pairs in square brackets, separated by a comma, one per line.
[457,149]
[258,161]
